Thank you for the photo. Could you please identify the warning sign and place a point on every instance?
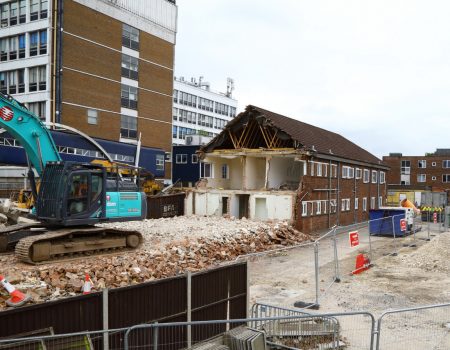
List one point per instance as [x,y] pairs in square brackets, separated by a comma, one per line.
[402,225]
[354,238]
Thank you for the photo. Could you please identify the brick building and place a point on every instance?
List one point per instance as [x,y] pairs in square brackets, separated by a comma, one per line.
[107,69]
[268,166]
[412,176]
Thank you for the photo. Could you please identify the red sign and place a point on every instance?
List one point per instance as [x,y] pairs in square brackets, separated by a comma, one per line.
[402,224]
[354,238]
[6,113]
[435,218]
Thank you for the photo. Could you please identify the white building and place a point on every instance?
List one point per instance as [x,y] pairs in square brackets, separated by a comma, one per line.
[199,111]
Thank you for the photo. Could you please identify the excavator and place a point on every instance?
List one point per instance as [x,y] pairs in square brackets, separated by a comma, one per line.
[72,198]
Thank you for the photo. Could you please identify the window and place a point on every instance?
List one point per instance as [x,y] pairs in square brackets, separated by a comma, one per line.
[37,78]
[405,167]
[446,164]
[175,96]
[312,169]
[4,49]
[304,208]
[356,203]
[160,162]
[3,83]
[13,13]
[221,108]
[206,170]
[130,67]
[380,201]
[4,15]
[446,178]
[22,11]
[333,170]
[332,206]
[130,37]
[348,172]
[382,177]
[181,159]
[194,159]
[374,176]
[37,108]
[34,10]
[318,207]
[22,46]
[319,169]
[13,45]
[364,204]
[92,116]
[34,39]
[225,171]
[42,42]
[372,202]
[421,177]
[174,132]
[129,97]
[358,173]
[128,127]
[232,112]
[42,78]
[422,164]
[44,9]
[345,206]
[205,104]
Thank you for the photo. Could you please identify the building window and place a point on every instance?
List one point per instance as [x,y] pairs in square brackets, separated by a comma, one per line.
[304,208]
[206,170]
[42,78]
[366,176]
[33,78]
[160,161]
[128,127]
[421,177]
[333,170]
[356,203]
[129,96]
[225,171]
[364,204]
[333,206]
[205,104]
[37,79]
[130,67]
[13,45]
[348,172]
[446,178]
[374,176]
[345,204]
[405,167]
[358,173]
[382,177]
[380,201]
[42,42]
[232,112]
[12,82]
[174,132]
[372,202]
[175,96]
[319,169]
[181,159]
[92,116]
[37,108]
[130,37]
[422,164]
[194,159]
[319,207]
[22,46]
[4,15]
[22,11]
[34,38]
[221,108]
[446,164]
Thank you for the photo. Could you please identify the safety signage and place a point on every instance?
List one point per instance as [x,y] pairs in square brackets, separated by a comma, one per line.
[402,224]
[354,238]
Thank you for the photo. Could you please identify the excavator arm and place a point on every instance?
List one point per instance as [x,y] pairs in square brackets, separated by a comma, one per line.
[29,130]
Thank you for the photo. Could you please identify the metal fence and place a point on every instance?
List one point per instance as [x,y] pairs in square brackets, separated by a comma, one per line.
[272,327]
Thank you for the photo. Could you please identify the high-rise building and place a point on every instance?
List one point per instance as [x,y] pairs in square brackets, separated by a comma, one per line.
[198,112]
[106,69]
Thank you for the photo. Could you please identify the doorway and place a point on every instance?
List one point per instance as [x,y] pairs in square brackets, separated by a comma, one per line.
[243,205]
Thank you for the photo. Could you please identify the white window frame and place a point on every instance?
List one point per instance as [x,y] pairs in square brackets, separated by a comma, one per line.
[422,164]
[92,116]
[333,206]
[312,168]
[333,171]
[194,158]
[304,208]
[225,168]
[421,177]
[374,176]
[351,172]
[380,201]
[446,164]
[325,207]
[382,177]
[358,173]
[344,173]
[364,204]
[445,177]
[319,208]
[356,203]
[366,176]
[345,204]
[319,169]
[202,170]
[372,202]
[181,158]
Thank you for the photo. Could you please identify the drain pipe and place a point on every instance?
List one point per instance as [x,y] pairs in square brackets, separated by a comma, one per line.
[58,63]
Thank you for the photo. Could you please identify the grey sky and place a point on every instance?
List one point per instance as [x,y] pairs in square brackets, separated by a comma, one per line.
[377,72]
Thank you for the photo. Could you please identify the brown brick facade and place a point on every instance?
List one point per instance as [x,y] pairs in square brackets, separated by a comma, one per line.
[326,188]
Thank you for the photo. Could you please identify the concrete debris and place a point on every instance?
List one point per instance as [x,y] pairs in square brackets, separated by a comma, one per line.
[171,246]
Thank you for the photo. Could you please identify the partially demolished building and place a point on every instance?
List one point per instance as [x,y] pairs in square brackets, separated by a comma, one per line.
[268,166]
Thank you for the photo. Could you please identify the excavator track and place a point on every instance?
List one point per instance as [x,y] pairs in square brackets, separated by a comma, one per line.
[67,242]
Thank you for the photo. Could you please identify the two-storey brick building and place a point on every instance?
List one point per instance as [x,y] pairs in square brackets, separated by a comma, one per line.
[268,166]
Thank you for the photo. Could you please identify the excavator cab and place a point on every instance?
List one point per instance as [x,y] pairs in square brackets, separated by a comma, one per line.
[81,194]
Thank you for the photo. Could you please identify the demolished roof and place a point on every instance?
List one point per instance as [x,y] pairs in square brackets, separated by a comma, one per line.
[257,128]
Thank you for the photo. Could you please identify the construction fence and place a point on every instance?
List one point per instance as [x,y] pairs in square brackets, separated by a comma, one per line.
[334,256]
[271,327]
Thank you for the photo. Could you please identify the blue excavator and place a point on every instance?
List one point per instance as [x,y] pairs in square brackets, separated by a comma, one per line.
[72,198]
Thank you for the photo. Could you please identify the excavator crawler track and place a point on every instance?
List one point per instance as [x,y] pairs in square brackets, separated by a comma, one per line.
[67,242]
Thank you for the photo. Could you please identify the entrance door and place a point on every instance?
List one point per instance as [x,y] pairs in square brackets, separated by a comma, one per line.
[243,205]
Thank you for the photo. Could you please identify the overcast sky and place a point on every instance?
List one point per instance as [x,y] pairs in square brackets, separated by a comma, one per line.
[377,72]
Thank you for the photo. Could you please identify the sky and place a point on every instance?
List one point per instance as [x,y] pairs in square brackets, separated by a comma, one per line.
[376,72]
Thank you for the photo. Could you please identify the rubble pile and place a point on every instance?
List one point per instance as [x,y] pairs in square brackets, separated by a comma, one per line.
[171,247]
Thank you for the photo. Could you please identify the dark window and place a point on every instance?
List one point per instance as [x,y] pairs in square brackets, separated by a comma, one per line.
[13,14]
[34,38]
[21,81]
[34,10]
[130,37]
[12,82]
[3,83]
[44,9]
[130,67]
[4,15]
[13,48]
[22,46]
[128,127]
[33,79]
[4,49]
[22,11]
[129,97]
[42,78]
[43,42]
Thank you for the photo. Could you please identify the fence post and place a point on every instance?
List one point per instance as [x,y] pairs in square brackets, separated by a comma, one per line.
[336,258]
[393,231]
[105,319]
[428,224]
[155,335]
[189,307]
[316,270]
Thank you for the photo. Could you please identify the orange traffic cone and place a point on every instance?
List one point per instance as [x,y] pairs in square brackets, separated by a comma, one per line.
[17,297]
[87,284]
[362,264]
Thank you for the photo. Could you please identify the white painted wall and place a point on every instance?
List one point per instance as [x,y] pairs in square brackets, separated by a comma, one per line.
[284,170]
